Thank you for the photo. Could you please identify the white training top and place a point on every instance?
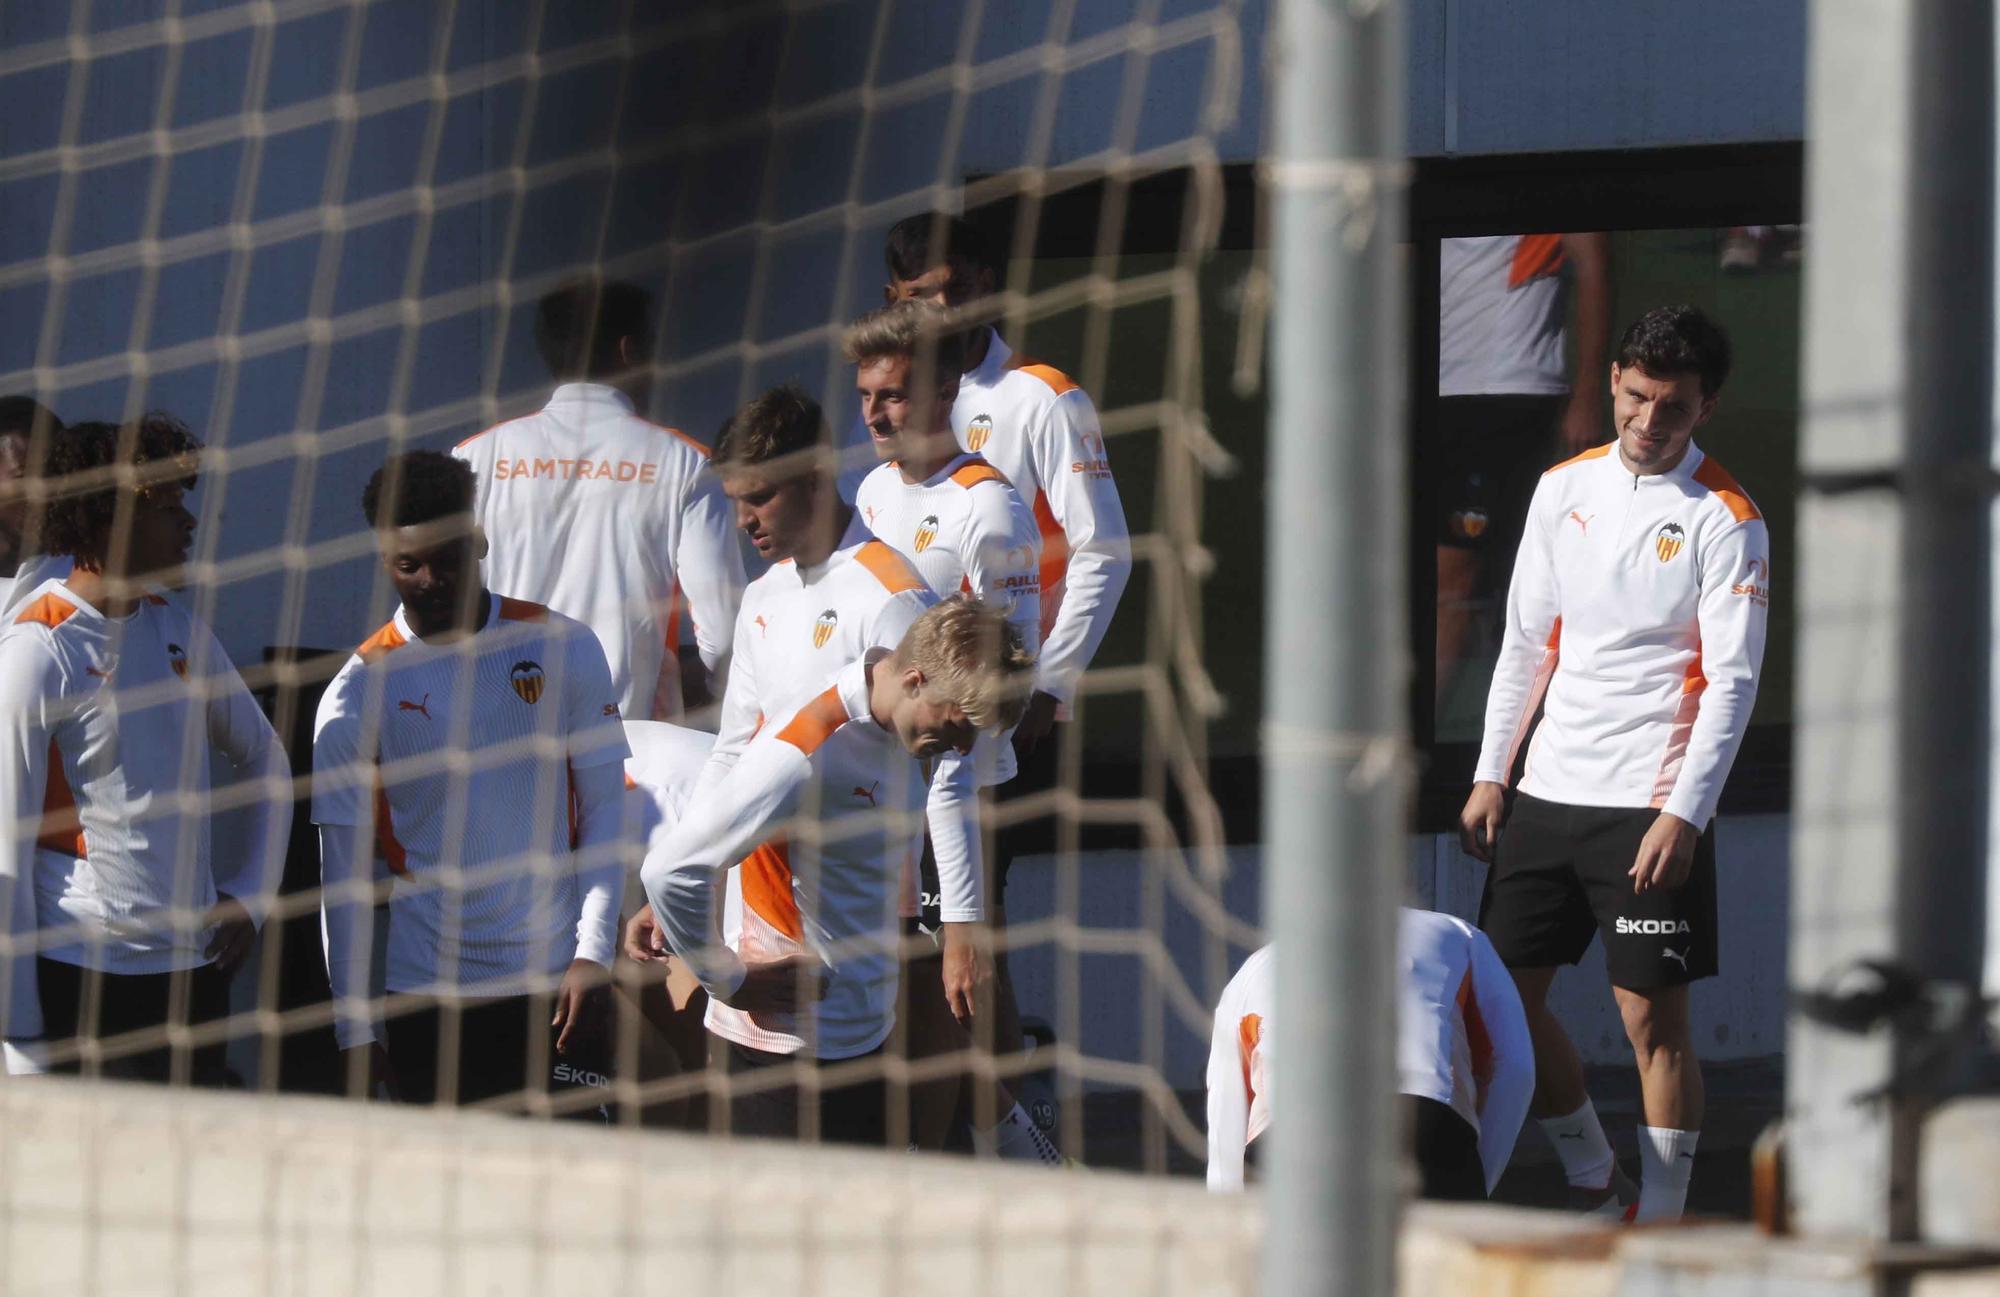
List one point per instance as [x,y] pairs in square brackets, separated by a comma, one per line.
[964,529]
[1501,312]
[797,628]
[1033,423]
[605,517]
[482,778]
[27,580]
[1461,1040]
[110,726]
[1636,622]
[660,778]
[832,895]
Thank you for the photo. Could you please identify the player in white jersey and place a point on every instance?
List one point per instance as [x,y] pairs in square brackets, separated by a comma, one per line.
[950,513]
[1635,632]
[1039,428]
[815,977]
[122,920]
[466,762]
[1464,1063]
[668,1039]
[602,515]
[28,433]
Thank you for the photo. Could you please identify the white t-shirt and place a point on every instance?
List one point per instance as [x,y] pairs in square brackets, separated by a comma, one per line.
[455,766]
[28,576]
[1033,423]
[964,529]
[1636,621]
[1501,312]
[104,780]
[832,893]
[660,778]
[604,517]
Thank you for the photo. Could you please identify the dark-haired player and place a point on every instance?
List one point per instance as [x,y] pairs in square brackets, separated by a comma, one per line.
[1635,629]
[122,920]
[602,515]
[467,762]
[27,431]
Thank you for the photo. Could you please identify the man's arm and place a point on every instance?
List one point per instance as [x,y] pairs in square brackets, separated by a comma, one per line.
[709,567]
[1228,1099]
[237,728]
[31,685]
[1733,612]
[685,864]
[1583,423]
[1083,499]
[597,752]
[343,805]
[742,710]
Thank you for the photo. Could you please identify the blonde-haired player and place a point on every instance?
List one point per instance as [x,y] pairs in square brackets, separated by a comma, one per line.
[818,979]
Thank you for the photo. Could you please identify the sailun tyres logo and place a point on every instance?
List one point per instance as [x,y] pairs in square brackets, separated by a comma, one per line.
[1652,927]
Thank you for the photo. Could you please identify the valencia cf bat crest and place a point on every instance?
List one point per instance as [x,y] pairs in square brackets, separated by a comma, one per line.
[823,628]
[977,432]
[926,533]
[1668,541]
[527,679]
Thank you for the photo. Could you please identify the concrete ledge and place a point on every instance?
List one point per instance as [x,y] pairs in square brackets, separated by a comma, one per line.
[1959,1182]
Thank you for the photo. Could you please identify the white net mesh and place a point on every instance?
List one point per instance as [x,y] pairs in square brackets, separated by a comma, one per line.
[317,233]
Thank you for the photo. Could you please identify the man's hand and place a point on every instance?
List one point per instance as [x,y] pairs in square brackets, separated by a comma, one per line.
[577,1003]
[1479,822]
[644,941]
[1582,424]
[781,985]
[234,933]
[968,966]
[382,1083]
[1036,722]
[1666,855]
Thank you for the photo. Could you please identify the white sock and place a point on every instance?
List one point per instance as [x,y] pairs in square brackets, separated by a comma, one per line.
[1580,1143]
[1666,1160]
[1018,1138]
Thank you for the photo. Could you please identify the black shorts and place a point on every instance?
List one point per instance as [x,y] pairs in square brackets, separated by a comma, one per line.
[1491,452]
[495,1049]
[1446,1150]
[1560,877]
[849,1112]
[83,1004]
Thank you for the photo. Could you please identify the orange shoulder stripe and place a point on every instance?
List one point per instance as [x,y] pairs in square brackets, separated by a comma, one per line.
[1595,452]
[692,444]
[46,611]
[1057,381]
[380,642]
[1249,1034]
[477,435]
[815,722]
[1717,479]
[888,567]
[973,473]
[521,610]
[1535,256]
[766,877]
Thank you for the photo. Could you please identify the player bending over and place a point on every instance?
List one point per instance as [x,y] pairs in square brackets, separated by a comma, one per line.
[123,922]
[28,430]
[813,975]
[1464,1064]
[466,764]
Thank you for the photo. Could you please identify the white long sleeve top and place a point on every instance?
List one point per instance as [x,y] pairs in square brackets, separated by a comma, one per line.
[1636,623]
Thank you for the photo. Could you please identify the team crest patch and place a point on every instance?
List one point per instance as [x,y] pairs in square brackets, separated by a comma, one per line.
[1468,523]
[977,432]
[823,628]
[177,658]
[527,679]
[926,533]
[1668,540]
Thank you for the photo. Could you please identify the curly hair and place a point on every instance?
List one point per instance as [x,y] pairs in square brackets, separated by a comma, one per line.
[92,467]
[416,487]
[1677,340]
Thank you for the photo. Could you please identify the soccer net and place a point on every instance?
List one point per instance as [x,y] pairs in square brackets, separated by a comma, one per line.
[318,233]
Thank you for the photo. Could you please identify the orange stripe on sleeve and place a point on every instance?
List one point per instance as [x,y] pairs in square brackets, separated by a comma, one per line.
[888,567]
[767,888]
[1536,256]
[1595,452]
[1717,479]
[1479,1042]
[815,722]
[1249,1033]
[62,828]
[46,611]
[382,641]
[521,610]
[386,844]
[972,474]
[1058,382]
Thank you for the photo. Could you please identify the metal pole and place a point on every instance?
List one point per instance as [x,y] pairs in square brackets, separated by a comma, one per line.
[1888,806]
[1336,660]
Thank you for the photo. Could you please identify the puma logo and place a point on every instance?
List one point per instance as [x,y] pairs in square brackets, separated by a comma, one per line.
[868,792]
[1581,521]
[1678,956]
[869,510]
[405,705]
[761,624]
[101,675]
